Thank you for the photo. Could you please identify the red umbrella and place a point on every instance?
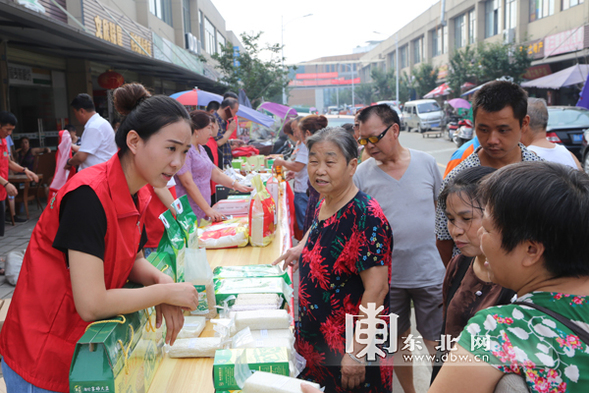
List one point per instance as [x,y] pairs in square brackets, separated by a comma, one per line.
[441,90]
[196,97]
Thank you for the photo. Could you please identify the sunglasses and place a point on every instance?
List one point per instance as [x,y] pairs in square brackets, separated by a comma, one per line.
[373,139]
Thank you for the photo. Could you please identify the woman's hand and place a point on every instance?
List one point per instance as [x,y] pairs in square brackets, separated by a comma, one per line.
[31,175]
[353,373]
[291,257]
[243,188]
[278,162]
[306,388]
[182,295]
[174,320]
[289,175]
[215,216]
[11,190]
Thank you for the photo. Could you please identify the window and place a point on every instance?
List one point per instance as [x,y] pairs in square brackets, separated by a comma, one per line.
[492,8]
[510,14]
[210,44]
[472,27]
[436,42]
[418,50]
[221,42]
[459,32]
[445,39]
[201,22]
[541,9]
[162,9]
[186,16]
[566,4]
[403,57]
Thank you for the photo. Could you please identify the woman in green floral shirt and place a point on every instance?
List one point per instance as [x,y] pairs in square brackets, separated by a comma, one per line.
[534,234]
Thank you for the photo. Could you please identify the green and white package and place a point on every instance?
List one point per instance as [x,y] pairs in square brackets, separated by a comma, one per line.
[174,236]
[225,288]
[251,271]
[187,221]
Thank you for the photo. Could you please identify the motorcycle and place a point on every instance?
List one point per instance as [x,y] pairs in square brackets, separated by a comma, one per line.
[465,132]
[452,126]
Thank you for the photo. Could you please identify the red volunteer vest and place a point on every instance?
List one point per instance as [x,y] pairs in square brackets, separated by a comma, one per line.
[212,144]
[4,159]
[42,326]
[153,225]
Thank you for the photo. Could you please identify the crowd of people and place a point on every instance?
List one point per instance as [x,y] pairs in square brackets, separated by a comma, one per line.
[488,258]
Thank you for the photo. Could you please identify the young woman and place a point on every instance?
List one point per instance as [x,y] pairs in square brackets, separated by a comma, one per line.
[467,287]
[194,179]
[25,155]
[88,243]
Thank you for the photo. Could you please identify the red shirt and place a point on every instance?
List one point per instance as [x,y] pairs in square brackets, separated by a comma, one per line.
[42,325]
[4,160]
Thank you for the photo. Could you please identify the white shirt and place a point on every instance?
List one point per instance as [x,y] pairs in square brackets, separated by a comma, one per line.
[558,154]
[301,177]
[98,141]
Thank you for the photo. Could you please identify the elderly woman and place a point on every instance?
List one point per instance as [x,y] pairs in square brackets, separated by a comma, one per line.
[534,235]
[345,262]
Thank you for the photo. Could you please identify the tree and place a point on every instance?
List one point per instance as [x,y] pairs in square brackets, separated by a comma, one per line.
[499,59]
[257,77]
[363,93]
[406,87]
[463,68]
[383,84]
[425,78]
[343,96]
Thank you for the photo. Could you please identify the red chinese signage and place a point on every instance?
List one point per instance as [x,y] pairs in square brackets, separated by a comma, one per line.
[322,75]
[566,41]
[325,82]
[537,72]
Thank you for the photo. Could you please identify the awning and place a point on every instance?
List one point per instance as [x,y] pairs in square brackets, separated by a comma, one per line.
[32,31]
[441,90]
[279,110]
[567,77]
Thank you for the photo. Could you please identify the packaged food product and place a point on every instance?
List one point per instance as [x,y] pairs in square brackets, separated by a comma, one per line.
[264,382]
[200,347]
[265,270]
[227,287]
[173,243]
[228,234]
[269,319]
[199,273]
[256,301]
[193,327]
[187,220]
[235,207]
[262,215]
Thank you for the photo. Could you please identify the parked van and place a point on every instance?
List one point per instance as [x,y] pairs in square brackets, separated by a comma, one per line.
[422,115]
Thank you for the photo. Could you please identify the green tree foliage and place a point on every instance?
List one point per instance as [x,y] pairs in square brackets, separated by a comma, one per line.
[425,78]
[260,79]
[499,59]
[383,84]
[363,93]
[343,96]
[406,86]
[463,68]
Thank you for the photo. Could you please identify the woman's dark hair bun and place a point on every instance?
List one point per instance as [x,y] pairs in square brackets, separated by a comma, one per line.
[129,96]
[322,121]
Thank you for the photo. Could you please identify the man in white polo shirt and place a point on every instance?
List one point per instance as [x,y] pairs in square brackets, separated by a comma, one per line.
[98,142]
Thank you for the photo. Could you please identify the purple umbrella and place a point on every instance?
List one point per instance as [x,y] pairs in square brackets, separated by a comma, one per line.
[281,111]
[459,103]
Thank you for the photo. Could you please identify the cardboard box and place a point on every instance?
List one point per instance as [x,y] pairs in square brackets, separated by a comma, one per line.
[226,287]
[273,360]
[118,357]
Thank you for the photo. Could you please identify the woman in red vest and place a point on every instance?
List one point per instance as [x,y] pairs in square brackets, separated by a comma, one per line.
[88,243]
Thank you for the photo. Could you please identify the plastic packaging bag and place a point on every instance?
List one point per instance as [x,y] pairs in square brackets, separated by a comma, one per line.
[262,216]
[265,270]
[14,261]
[173,243]
[263,382]
[237,207]
[193,327]
[199,273]
[187,220]
[229,234]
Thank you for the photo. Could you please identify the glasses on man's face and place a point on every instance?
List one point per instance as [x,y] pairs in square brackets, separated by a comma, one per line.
[373,139]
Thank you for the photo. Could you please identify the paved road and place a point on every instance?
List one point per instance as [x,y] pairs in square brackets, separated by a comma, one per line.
[440,148]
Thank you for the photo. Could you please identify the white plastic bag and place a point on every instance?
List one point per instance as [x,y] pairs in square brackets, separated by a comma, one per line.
[13,264]
[199,273]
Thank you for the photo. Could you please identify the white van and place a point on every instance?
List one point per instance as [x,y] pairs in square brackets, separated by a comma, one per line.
[422,115]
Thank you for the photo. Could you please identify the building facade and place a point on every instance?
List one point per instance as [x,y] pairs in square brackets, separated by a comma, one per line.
[50,51]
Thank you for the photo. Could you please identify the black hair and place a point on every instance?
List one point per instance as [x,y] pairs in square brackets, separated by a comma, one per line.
[230,94]
[213,106]
[83,101]
[386,114]
[70,127]
[7,118]
[466,184]
[546,203]
[229,102]
[143,113]
[496,95]
[201,119]
[349,127]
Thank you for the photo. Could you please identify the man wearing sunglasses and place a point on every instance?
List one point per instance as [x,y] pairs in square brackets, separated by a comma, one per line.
[405,182]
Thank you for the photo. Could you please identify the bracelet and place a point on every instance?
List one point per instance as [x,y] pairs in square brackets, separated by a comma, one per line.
[356,359]
[233,185]
[5,184]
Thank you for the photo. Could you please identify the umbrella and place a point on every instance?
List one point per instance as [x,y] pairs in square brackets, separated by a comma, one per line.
[568,76]
[473,90]
[459,103]
[199,97]
[467,85]
[281,111]
[441,90]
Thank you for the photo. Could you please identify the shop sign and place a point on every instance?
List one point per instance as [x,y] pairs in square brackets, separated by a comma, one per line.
[108,25]
[443,71]
[24,75]
[535,48]
[191,43]
[566,41]
[322,75]
[537,72]
[32,5]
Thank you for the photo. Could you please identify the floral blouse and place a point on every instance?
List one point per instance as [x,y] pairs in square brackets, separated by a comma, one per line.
[525,341]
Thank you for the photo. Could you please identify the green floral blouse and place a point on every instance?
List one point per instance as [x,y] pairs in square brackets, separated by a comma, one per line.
[525,341]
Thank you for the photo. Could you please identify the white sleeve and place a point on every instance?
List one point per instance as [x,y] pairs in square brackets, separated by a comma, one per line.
[91,140]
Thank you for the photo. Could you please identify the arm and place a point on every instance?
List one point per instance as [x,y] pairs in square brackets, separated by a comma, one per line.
[40,150]
[577,162]
[165,196]
[219,177]
[465,372]
[93,301]
[445,248]
[292,255]
[75,148]
[290,165]
[193,192]
[20,169]
[231,126]
[77,159]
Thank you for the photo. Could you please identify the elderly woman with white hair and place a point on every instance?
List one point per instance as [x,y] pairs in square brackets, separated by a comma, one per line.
[345,263]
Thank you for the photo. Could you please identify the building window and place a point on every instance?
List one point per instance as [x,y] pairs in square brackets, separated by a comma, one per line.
[210,33]
[541,9]
[510,14]
[492,8]
[162,9]
[186,16]
[436,42]
[403,57]
[459,32]
[566,4]
[417,50]
[472,27]
[201,23]
[221,42]
[445,39]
